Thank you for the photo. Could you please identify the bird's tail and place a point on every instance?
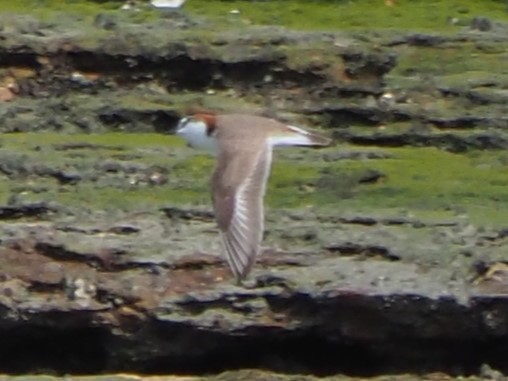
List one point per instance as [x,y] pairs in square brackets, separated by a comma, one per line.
[296,136]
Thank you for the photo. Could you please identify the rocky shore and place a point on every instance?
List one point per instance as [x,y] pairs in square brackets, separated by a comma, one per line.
[109,258]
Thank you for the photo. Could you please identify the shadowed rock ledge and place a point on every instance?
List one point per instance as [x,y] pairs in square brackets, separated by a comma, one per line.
[74,71]
[147,293]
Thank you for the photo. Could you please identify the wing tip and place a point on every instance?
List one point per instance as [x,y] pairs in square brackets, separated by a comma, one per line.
[311,138]
[238,267]
[320,140]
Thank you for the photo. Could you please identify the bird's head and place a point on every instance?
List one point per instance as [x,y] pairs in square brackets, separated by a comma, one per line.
[198,130]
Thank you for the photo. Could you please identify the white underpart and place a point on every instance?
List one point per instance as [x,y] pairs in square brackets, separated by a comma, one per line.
[195,133]
[301,137]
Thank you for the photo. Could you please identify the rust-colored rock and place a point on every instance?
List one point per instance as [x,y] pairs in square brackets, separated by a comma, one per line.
[6,94]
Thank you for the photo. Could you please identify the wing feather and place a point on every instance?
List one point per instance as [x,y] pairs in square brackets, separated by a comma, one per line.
[239,207]
[233,263]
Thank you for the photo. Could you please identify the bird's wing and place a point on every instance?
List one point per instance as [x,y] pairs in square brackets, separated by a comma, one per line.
[295,136]
[238,188]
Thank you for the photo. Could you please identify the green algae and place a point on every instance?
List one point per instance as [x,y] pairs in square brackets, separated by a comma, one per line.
[417,181]
[462,58]
[421,181]
[108,140]
[305,15]
[322,15]
[429,179]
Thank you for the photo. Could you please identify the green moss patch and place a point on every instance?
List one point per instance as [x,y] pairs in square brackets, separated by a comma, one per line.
[340,14]
[466,59]
[424,182]
[307,15]
[429,180]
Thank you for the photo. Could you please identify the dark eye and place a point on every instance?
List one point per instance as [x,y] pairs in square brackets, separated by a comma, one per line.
[182,123]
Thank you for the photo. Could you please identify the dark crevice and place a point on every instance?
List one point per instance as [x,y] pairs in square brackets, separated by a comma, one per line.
[36,349]
[353,334]
[349,248]
[176,72]
[292,355]
[446,141]
[106,260]
[180,71]
[24,211]
[91,351]
[10,59]
[163,121]
[187,214]
[362,116]
[60,253]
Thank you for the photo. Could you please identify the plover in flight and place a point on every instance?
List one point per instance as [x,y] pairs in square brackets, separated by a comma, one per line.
[243,146]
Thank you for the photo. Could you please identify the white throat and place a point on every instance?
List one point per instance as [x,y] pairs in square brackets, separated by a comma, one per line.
[195,133]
